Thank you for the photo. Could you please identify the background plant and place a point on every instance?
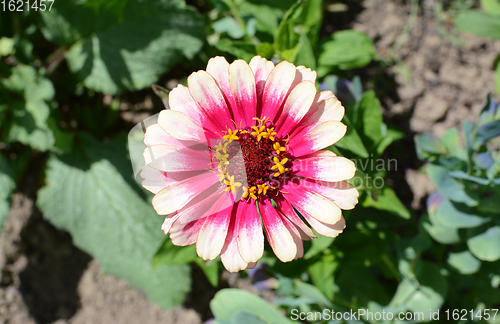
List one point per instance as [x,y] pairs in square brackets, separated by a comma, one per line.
[66,75]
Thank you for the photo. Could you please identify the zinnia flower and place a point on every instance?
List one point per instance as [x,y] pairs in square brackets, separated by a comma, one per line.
[240,147]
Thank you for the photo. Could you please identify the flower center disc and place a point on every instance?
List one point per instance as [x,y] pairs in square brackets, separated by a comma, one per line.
[264,157]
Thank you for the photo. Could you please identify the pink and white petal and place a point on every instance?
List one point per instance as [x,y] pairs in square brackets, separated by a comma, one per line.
[154,180]
[180,100]
[322,153]
[186,234]
[181,126]
[329,230]
[191,218]
[325,168]
[310,141]
[279,237]
[230,255]
[297,104]
[178,195]
[276,89]
[155,135]
[242,83]
[307,201]
[296,235]
[169,220]
[172,158]
[307,74]
[210,99]
[342,193]
[250,237]
[330,109]
[218,68]
[261,69]
[213,234]
[311,117]
[286,209]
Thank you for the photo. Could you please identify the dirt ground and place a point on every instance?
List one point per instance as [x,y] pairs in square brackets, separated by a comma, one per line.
[435,84]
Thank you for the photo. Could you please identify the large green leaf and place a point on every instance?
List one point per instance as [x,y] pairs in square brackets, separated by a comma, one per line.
[454,215]
[464,262]
[369,119]
[26,96]
[87,195]
[448,186]
[387,200]
[479,23]
[227,302]
[486,246]
[347,49]
[111,52]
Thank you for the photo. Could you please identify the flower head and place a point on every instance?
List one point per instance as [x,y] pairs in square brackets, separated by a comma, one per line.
[240,147]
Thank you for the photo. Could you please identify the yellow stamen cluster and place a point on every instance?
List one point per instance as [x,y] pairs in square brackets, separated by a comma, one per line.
[280,165]
[264,160]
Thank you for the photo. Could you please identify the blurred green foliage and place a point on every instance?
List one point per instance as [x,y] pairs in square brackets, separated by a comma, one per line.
[64,72]
[483,24]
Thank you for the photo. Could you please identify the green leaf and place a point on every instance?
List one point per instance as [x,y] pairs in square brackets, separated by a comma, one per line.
[453,215]
[169,254]
[369,118]
[241,50]
[441,233]
[286,37]
[448,186]
[244,317]
[347,49]
[268,14]
[487,131]
[478,23]
[229,301]
[115,53]
[86,194]
[305,56]
[312,292]
[351,140]
[29,110]
[431,291]
[427,143]
[318,245]
[491,6]
[387,200]
[298,31]
[391,136]
[486,246]
[321,273]
[230,26]
[7,184]
[464,262]
[6,46]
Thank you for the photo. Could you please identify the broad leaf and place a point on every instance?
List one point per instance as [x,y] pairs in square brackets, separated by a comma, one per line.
[87,195]
[26,96]
[464,262]
[453,215]
[478,23]
[347,49]
[112,52]
[227,302]
[448,186]
[486,246]
[387,200]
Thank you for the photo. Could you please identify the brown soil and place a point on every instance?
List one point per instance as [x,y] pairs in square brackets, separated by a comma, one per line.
[436,85]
